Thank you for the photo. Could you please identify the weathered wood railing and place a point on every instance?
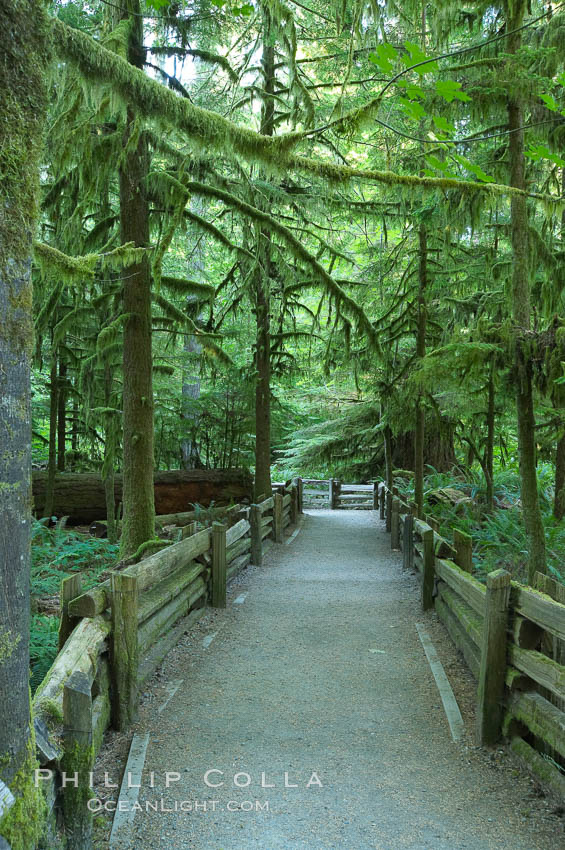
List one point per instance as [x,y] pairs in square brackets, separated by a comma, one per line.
[114,636]
[335,494]
[511,636]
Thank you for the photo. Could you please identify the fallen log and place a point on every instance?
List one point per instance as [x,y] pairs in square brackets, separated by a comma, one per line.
[81,497]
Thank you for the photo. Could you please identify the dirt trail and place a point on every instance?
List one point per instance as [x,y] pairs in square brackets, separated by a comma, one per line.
[319,673]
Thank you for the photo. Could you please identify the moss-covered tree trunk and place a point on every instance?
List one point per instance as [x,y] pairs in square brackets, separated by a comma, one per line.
[420,416]
[23,61]
[521,314]
[138,499]
[263,299]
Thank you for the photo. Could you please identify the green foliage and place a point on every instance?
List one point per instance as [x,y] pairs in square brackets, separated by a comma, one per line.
[499,538]
[42,646]
[57,552]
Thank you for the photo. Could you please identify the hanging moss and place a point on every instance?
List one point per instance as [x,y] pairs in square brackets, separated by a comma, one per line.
[51,260]
[205,127]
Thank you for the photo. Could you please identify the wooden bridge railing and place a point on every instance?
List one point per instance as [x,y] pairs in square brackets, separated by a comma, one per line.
[511,636]
[335,494]
[114,636]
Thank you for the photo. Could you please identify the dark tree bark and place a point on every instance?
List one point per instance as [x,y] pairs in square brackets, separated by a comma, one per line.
[439,449]
[521,314]
[138,503]
[23,60]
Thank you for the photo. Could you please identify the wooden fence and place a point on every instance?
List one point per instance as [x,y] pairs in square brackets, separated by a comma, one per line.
[114,636]
[511,636]
[335,494]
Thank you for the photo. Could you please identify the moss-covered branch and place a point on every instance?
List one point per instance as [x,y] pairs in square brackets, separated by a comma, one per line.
[330,284]
[50,259]
[153,100]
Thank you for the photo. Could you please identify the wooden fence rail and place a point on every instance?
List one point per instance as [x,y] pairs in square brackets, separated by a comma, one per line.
[512,638]
[114,636]
[338,495]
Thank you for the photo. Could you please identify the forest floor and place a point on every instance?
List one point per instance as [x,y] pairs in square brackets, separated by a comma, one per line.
[318,669]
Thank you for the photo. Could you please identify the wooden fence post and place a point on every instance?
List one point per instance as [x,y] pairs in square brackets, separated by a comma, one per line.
[375,496]
[395,525]
[388,510]
[218,565]
[382,501]
[428,571]
[493,659]
[464,550]
[300,487]
[293,505]
[77,761]
[277,518]
[188,530]
[125,660]
[70,588]
[335,487]
[256,539]
[408,541]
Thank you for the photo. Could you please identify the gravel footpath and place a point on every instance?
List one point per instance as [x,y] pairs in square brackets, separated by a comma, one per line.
[319,674]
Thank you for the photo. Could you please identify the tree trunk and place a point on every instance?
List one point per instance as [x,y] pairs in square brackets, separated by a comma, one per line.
[419,431]
[52,461]
[521,315]
[190,453]
[22,104]
[388,456]
[138,503]
[489,449]
[109,457]
[263,300]
[74,427]
[559,499]
[61,415]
